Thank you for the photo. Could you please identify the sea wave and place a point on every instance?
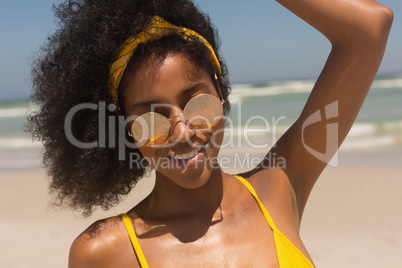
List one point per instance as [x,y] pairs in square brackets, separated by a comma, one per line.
[18,164]
[13,112]
[361,135]
[18,143]
[388,83]
[241,91]
[358,129]
[367,142]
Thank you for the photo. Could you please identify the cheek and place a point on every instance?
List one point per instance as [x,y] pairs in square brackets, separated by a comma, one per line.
[217,134]
[148,153]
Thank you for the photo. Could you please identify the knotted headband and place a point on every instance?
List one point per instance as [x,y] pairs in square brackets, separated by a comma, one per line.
[154,29]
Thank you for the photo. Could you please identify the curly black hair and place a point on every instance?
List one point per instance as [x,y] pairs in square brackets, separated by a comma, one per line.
[72,68]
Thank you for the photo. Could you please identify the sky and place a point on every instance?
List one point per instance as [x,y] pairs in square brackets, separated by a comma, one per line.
[261,42]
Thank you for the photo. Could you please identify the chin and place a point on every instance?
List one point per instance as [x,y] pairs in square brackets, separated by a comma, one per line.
[188,178]
[192,184]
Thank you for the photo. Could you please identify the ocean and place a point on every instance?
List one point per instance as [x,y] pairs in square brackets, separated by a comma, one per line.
[265,110]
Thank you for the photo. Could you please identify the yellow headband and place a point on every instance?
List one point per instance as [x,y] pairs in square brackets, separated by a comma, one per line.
[155,28]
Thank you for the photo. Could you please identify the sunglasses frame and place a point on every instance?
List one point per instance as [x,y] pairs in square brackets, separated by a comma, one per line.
[222,101]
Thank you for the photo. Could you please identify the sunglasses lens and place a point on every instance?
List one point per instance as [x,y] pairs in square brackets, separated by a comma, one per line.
[151,129]
[203,112]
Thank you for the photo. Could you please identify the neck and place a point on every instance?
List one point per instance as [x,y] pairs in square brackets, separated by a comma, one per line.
[168,200]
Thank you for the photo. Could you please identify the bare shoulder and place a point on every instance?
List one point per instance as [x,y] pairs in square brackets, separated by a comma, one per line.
[269,181]
[103,244]
[275,190]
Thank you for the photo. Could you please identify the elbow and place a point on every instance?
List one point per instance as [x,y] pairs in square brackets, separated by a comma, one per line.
[368,28]
[387,17]
[377,26]
[384,19]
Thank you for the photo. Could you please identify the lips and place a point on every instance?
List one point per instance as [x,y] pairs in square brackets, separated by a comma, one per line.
[186,152]
[192,161]
[189,159]
[187,155]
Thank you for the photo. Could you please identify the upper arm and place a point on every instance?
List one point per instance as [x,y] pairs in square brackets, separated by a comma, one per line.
[86,252]
[340,90]
[83,253]
[103,244]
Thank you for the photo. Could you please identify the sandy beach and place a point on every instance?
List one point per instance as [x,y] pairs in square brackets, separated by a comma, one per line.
[353,218]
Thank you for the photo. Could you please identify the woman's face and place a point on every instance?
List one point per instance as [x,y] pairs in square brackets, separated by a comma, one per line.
[166,87]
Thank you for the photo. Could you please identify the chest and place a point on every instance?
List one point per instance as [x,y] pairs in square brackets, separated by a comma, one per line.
[243,239]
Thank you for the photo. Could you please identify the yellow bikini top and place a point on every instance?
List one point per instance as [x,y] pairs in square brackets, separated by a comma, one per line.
[289,256]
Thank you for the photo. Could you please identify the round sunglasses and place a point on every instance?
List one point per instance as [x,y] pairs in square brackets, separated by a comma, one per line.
[202,112]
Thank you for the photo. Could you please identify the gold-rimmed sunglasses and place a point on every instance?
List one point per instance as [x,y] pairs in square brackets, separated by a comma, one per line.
[202,112]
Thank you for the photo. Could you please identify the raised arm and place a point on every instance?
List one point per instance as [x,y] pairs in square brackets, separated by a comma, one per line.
[358,31]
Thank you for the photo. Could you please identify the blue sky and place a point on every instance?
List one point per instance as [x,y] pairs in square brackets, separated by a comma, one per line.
[261,41]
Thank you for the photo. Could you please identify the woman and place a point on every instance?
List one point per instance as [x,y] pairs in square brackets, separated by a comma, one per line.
[157,62]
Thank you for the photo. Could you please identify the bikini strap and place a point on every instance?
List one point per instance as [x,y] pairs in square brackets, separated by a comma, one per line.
[288,254]
[262,207]
[134,240]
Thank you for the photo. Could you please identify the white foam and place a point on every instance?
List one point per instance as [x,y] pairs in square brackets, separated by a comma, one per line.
[377,128]
[388,83]
[361,136]
[359,129]
[13,112]
[18,143]
[366,143]
[273,88]
[20,163]
[240,91]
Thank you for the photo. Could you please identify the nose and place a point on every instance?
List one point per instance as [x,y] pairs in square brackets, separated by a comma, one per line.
[180,132]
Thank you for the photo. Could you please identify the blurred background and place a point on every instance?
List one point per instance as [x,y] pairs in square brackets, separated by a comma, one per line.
[273,59]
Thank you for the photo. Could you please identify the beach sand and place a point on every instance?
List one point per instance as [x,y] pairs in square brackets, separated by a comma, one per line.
[353,217]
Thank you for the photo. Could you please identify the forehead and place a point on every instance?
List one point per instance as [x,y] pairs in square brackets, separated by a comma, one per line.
[163,81]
